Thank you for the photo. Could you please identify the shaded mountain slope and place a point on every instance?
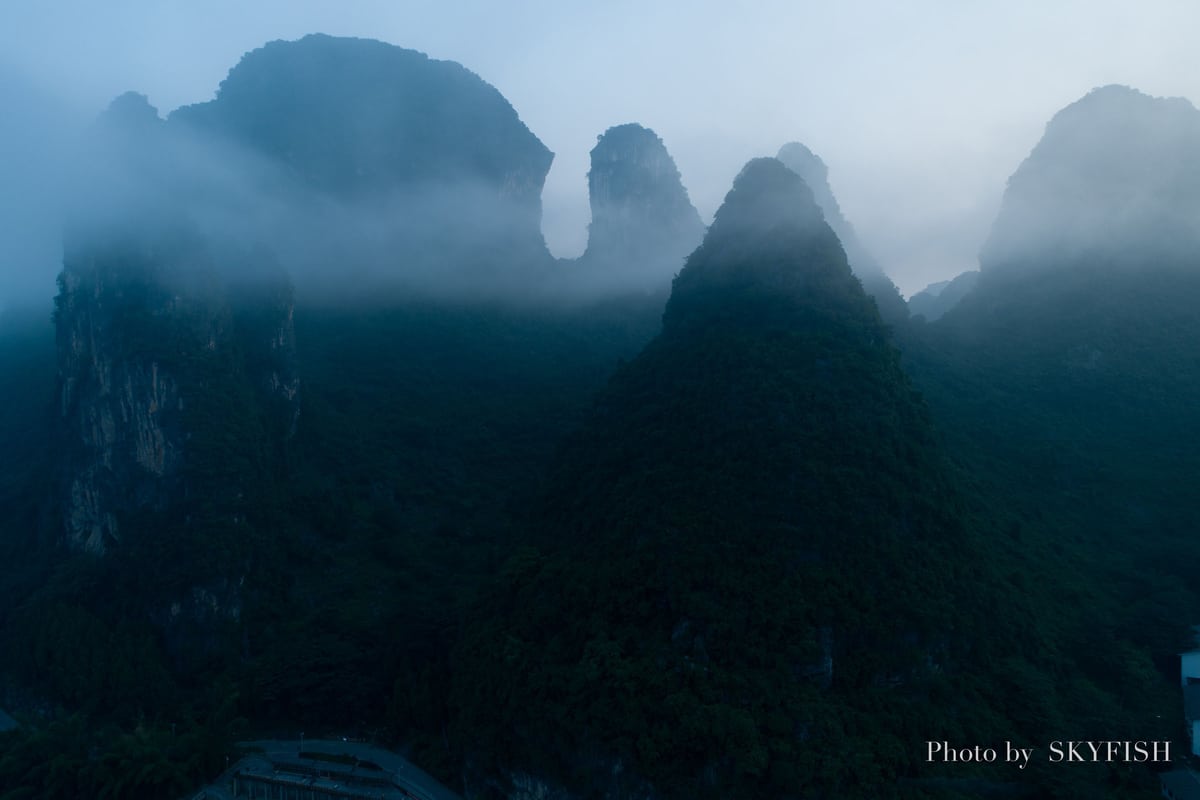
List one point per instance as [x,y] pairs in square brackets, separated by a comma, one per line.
[1081,327]
[1067,379]
[753,570]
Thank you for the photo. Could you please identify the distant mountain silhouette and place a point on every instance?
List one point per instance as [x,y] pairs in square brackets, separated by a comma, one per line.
[1114,182]
[356,116]
[384,155]
[937,298]
[812,169]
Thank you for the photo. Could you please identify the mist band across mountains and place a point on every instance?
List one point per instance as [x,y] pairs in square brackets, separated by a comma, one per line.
[323,437]
[354,155]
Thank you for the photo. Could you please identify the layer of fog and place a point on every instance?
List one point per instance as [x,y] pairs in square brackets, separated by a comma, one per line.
[133,179]
[921,110]
[450,239]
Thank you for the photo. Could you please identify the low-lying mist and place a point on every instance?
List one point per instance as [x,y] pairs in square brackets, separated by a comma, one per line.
[135,179]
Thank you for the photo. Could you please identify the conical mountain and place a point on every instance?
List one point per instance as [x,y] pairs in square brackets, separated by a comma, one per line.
[809,166]
[752,533]
[643,223]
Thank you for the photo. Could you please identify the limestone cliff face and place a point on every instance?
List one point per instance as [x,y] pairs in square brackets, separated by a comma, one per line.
[643,224]
[282,381]
[805,163]
[119,409]
[264,310]
[140,349]
[170,343]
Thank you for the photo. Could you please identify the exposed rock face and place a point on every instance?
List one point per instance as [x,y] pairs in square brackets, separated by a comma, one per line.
[138,347]
[339,158]
[937,298]
[812,169]
[1114,180]
[413,161]
[643,224]
[120,413]
[152,334]
[264,309]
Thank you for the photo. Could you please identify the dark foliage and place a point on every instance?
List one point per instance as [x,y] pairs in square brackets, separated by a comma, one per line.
[754,573]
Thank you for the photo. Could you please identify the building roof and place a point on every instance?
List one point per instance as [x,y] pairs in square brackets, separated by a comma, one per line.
[1181,784]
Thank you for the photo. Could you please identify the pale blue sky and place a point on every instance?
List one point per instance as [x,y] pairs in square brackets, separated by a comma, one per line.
[921,109]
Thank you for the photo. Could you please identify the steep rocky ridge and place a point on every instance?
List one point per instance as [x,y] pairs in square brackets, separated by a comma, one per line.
[151,331]
[643,224]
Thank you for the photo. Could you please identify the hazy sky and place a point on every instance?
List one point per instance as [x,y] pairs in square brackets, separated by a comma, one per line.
[921,108]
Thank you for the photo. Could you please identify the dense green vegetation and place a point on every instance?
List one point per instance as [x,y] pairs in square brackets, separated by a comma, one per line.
[959,601]
[359,541]
[1085,446]
[759,491]
[26,425]
[71,757]
[758,566]
[423,430]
